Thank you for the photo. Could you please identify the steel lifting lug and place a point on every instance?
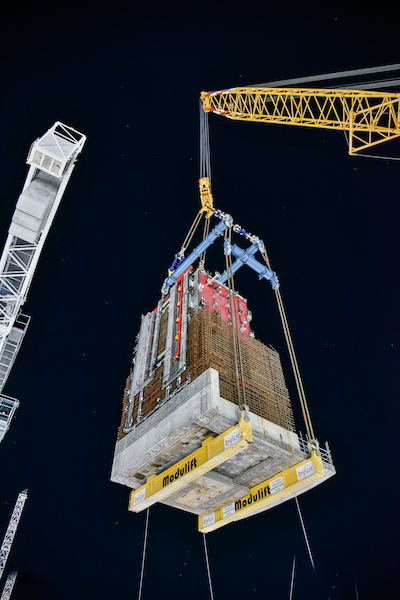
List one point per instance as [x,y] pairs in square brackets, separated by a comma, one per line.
[227,247]
[245,413]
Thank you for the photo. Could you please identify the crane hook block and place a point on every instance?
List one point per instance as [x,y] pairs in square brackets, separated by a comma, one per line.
[206,199]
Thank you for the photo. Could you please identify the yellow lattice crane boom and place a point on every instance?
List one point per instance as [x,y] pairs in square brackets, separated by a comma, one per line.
[369,117]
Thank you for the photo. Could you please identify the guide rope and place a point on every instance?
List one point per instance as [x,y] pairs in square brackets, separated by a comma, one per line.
[356,588]
[208,566]
[305,533]
[292,578]
[144,553]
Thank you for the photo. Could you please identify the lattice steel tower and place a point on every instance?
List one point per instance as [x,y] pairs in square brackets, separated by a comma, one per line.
[9,585]
[51,158]
[11,529]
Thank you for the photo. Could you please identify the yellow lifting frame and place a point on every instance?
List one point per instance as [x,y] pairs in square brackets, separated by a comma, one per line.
[213,452]
[369,117]
[281,486]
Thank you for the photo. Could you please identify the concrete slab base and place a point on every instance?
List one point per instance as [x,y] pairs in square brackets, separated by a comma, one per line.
[178,428]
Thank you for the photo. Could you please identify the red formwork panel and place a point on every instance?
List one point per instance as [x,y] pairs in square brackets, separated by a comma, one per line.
[216,296]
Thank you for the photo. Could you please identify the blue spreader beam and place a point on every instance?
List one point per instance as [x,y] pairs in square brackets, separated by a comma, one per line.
[243,257]
[246,257]
[196,253]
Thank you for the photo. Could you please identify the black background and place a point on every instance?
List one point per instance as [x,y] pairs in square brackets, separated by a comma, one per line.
[130,78]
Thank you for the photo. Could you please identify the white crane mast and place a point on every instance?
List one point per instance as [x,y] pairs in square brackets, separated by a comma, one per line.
[11,529]
[51,159]
[9,585]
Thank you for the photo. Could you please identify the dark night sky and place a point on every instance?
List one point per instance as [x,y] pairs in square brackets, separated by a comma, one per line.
[129,78]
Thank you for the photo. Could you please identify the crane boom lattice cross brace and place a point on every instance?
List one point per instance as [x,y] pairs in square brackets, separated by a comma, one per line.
[369,117]
[11,530]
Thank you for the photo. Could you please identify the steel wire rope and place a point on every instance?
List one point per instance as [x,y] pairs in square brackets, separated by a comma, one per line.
[293,359]
[235,324]
[192,231]
[208,566]
[366,85]
[205,165]
[371,155]
[205,171]
[295,367]
[302,398]
[303,403]
[233,328]
[144,553]
[381,157]
[325,76]
[239,344]
[205,234]
[205,153]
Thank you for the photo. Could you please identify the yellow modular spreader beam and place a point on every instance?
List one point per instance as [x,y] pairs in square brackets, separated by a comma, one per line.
[213,452]
[370,118]
[279,488]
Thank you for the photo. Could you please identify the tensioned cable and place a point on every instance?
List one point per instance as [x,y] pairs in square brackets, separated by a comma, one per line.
[292,578]
[305,534]
[370,155]
[205,171]
[205,164]
[208,566]
[205,234]
[303,526]
[233,326]
[335,75]
[144,552]
[371,84]
[293,359]
[191,231]
[204,161]
[237,354]
[205,153]
[295,367]
[373,156]
[243,389]
[356,588]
